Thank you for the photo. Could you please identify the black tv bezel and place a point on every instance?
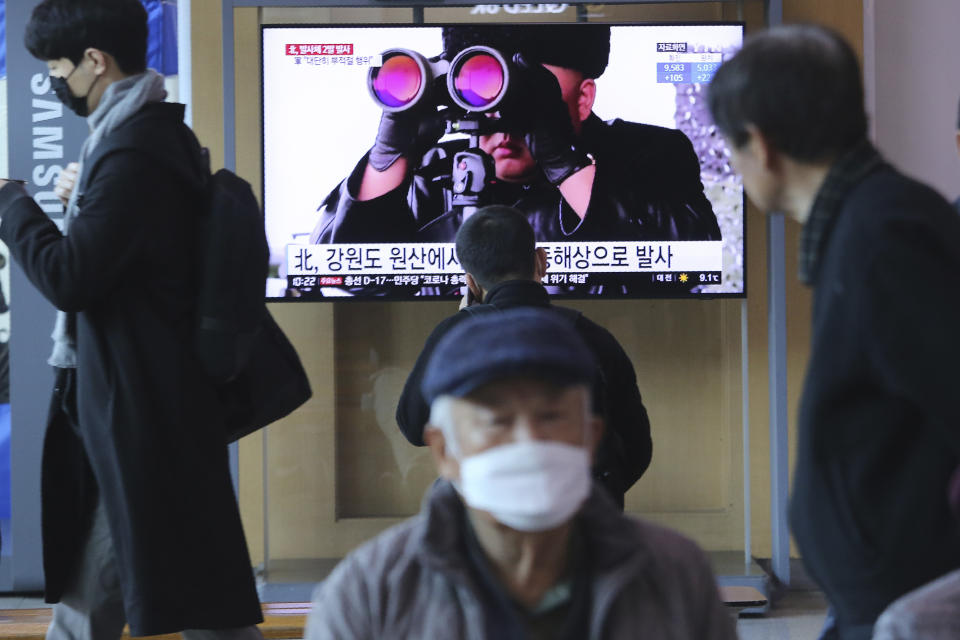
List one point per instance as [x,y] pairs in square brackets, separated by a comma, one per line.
[666,295]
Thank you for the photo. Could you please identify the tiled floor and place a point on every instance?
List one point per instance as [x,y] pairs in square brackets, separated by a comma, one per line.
[797,616]
[21,602]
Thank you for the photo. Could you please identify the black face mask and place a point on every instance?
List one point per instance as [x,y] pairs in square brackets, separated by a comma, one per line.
[62,90]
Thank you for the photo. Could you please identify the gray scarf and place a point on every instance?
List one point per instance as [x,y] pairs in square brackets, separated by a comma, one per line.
[121,100]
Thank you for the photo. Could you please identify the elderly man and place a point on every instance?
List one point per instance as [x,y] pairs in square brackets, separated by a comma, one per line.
[931,612]
[956,203]
[513,540]
[878,424]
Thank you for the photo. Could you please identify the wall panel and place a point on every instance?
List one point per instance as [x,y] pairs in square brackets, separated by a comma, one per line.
[337,471]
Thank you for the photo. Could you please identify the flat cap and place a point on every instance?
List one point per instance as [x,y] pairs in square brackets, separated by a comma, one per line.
[580,46]
[526,342]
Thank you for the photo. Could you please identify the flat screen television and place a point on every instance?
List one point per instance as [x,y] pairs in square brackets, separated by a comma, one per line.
[665,217]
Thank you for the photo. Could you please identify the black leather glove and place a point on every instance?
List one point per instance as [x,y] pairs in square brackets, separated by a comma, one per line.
[407,133]
[547,128]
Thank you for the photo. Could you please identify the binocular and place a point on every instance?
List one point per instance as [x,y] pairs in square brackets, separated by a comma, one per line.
[477,79]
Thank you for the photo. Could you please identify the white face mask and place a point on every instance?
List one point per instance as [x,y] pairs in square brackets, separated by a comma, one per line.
[528,486]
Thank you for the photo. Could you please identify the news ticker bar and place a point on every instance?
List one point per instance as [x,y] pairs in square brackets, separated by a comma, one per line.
[562,257]
[649,281]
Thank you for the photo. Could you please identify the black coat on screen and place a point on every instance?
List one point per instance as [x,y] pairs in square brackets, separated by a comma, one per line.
[149,433]
[647,188]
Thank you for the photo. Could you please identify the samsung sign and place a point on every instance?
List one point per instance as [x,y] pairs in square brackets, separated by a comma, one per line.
[46,113]
[43,137]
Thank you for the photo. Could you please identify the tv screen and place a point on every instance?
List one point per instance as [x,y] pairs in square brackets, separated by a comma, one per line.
[633,197]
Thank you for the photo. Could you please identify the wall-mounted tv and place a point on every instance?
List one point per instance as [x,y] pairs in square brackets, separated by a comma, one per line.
[661,214]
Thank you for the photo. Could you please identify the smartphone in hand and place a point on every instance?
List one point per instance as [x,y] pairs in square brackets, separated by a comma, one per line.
[466,297]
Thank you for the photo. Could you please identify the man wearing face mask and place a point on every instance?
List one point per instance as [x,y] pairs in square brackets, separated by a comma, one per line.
[514,541]
[140,522]
[573,175]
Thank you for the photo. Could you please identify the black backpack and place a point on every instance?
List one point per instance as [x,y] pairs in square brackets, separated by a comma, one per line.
[233,272]
[239,344]
[256,370]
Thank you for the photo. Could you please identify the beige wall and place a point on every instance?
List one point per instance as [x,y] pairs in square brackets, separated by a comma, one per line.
[911,101]
[337,472]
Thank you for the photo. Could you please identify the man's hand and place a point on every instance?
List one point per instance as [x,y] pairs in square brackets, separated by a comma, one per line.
[548,130]
[467,299]
[64,185]
[403,137]
[407,133]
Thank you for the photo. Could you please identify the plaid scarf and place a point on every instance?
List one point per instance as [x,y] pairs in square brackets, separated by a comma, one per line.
[848,170]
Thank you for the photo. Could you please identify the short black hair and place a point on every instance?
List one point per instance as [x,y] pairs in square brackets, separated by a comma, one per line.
[66,28]
[496,243]
[579,46]
[800,85]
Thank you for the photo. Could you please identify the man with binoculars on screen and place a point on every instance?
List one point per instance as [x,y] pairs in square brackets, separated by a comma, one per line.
[538,147]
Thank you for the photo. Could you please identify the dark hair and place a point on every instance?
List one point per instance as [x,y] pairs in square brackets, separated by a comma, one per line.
[495,244]
[800,85]
[579,46]
[66,28]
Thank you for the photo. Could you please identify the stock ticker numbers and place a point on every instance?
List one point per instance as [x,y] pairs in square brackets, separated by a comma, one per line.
[676,64]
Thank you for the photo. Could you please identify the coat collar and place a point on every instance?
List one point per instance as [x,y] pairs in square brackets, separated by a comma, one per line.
[440,539]
[513,293]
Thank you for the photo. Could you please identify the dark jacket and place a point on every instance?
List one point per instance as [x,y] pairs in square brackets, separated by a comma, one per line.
[879,421]
[625,450]
[414,581]
[149,421]
[647,187]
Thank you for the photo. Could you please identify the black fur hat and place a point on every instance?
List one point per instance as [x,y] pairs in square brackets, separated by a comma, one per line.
[581,46]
